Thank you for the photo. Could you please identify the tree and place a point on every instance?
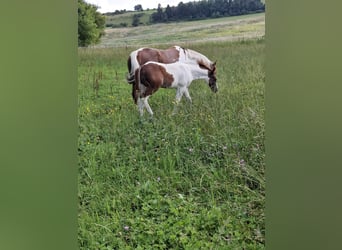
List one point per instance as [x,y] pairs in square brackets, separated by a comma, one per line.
[206,9]
[138,7]
[136,20]
[159,15]
[168,13]
[90,24]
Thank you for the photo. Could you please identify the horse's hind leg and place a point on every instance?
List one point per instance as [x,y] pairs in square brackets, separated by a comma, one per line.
[187,95]
[141,106]
[147,106]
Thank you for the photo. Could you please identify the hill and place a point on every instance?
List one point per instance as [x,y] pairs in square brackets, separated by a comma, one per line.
[217,29]
[126,19]
[189,11]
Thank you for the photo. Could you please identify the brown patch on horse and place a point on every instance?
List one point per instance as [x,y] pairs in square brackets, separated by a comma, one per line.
[164,56]
[152,77]
[169,55]
[203,65]
[211,68]
[167,78]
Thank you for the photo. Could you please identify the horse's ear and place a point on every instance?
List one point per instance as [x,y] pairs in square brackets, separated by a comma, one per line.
[213,65]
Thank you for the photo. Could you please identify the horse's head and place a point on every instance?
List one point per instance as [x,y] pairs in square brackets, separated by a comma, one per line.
[211,69]
[212,77]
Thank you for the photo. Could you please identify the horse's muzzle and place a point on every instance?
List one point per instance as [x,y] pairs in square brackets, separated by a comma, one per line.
[214,88]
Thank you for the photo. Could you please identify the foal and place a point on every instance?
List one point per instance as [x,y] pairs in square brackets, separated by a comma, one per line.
[152,75]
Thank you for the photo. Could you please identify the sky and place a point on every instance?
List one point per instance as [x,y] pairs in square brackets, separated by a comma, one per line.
[112,5]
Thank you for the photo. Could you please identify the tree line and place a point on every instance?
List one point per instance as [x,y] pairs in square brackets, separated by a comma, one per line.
[206,9]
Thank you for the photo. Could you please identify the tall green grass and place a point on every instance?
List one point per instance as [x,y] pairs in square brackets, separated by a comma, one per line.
[193,180]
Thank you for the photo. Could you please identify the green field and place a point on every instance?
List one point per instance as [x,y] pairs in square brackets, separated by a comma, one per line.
[127,18]
[187,33]
[193,180]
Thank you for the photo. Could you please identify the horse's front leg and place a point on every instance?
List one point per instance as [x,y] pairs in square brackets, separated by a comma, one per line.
[179,95]
[187,95]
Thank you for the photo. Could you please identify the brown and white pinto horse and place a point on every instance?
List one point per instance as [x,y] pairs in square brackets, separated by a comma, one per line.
[152,75]
[170,55]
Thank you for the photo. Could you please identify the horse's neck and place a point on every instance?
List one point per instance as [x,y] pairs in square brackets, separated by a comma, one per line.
[197,72]
[196,56]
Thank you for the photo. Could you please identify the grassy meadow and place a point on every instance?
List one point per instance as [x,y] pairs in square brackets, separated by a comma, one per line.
[127,18]
[193,180]
[224,29]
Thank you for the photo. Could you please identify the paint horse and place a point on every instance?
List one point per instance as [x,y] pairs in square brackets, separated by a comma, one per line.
[152,75]
[170,55]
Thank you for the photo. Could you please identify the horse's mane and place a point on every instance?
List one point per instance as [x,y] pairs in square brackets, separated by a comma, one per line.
[200,58]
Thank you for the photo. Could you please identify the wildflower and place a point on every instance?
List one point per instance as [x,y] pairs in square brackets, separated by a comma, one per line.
[158,178]
[126,228]
[190,150]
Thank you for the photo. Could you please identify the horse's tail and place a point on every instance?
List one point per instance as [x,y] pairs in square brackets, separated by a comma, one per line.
[135,86]
[130,75]
[132,65]
[130,78]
